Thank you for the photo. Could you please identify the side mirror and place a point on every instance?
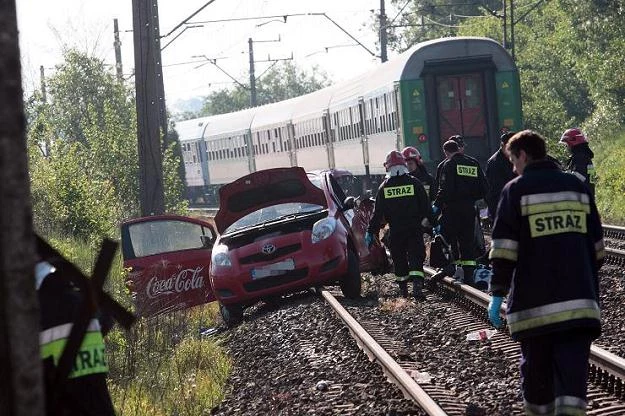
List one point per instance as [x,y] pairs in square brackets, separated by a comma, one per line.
[349,203]
[207,241]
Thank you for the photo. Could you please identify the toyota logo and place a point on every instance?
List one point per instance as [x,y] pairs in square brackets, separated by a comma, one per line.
[268,248]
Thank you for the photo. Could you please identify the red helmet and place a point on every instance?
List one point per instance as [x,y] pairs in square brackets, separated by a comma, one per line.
[573,137]
[411,153]
[394,158]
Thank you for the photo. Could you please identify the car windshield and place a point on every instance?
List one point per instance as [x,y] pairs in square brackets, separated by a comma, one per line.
[273,213]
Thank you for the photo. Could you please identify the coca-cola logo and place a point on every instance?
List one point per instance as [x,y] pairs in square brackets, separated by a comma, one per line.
[183,281]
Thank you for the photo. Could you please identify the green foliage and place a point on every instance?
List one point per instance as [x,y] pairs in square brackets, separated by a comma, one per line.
[281,82]
[83,153]
[610,190]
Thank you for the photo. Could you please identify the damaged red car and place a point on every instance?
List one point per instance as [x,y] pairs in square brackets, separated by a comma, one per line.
[283,230]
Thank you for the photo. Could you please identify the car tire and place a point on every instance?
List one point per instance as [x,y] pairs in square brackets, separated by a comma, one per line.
[350,283]
[231,314]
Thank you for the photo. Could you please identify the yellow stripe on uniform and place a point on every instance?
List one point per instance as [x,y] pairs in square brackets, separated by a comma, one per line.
[504,248]
[464,170]
[399,191]
[553,313]
[554,201]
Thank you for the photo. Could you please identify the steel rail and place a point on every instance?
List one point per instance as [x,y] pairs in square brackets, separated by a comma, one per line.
[603,359]
[393,371]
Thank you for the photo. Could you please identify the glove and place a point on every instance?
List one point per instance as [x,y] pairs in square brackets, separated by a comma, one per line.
[437,229]
[435,210]
[493,311]
[368,239]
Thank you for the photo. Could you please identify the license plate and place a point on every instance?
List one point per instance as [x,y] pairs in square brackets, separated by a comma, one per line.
[274,269]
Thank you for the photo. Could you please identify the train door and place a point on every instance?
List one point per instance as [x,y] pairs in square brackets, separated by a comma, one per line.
[462,110]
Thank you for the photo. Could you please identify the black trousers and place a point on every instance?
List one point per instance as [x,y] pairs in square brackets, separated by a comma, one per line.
[554,373]
[458,227]
[407,250]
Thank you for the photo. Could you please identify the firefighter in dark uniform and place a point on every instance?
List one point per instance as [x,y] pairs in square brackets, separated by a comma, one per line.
[461,184]
[498,173]
[85,392]
[417,169]
[402,201]
[580,163]
[547,249]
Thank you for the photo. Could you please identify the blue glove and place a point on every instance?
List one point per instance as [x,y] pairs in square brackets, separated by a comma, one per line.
[368,239]
[437,229]
[493,311]
[435,210]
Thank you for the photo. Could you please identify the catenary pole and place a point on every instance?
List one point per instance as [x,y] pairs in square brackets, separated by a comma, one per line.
[148,84]
[21,386]
[253,101]
[383,33]
[118,51]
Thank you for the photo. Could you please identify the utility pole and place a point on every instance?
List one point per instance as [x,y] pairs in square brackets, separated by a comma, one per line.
[42,73]
[118,52]
[512,24]
[149,86]
[21,380]
[383,33]
[505,24]
[253,102]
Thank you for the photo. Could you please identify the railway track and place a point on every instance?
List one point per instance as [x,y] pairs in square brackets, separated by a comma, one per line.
[607,370]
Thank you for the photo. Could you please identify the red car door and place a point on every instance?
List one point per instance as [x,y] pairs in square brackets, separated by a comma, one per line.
[168,258]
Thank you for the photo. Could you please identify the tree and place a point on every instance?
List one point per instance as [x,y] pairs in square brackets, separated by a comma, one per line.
[88,180]
[283,81]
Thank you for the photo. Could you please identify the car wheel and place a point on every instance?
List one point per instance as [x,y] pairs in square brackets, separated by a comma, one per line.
[350,283]
[231,314]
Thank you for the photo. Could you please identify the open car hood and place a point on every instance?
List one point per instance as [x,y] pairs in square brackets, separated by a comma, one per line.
[263,189]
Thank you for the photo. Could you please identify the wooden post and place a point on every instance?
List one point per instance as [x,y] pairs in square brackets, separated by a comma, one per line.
[21,386]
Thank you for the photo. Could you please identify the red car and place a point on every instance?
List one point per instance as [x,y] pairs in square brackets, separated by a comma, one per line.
[282,230]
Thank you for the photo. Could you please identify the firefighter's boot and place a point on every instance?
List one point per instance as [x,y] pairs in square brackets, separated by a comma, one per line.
[417,288]
[403,289]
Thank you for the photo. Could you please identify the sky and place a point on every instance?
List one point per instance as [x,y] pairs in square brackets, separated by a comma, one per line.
[47,27]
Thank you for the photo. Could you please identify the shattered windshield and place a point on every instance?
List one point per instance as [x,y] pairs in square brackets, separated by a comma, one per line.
[273,213]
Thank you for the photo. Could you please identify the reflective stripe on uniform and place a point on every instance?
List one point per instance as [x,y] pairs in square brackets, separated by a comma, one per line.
[467,263]
[399,191]
[592,175]
[555,201]
[504,248]
[538,409]
[553,313]
[600,249]
[570,405]
[402,278]
[90,358]
[416,273]
[62,331]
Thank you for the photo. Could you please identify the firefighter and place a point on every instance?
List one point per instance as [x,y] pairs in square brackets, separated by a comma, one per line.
[498,173]
[461,184]
[85,392]
[402,201]
[547,249]
[417,169]
[580,162]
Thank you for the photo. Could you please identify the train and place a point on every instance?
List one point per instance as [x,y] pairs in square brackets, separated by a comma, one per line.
[435,89]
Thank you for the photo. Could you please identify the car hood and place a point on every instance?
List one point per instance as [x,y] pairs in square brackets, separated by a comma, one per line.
[263,189]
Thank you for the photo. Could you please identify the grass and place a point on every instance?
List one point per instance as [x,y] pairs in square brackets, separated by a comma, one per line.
[609,162]
[163,365]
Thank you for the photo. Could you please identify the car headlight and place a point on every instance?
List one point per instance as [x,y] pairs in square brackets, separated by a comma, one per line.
[323,229]
[220,256]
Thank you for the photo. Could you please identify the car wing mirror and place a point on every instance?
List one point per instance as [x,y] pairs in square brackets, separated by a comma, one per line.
[207,241]
[349,203]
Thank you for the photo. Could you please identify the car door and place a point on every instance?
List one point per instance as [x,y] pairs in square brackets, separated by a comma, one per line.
[372,259]
[168,258]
